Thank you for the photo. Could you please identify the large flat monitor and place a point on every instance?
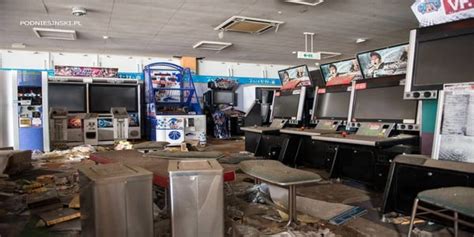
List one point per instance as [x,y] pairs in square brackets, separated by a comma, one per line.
[332,105]
[294,77]
[286,106]
[384,104]
[384,62]
[103,97]
[341,72]
[68,95]
[441,54]
[224,97]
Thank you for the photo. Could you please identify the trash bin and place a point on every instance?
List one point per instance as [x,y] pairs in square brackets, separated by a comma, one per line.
[116,200]
[197,198]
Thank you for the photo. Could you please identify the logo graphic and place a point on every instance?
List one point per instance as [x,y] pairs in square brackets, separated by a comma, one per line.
[174,135]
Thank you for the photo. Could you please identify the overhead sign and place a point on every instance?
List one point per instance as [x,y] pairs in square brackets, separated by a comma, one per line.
[308,55]
[434,12]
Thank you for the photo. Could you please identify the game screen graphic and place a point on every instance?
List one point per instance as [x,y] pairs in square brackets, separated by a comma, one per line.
[295,77]
[341,73]
[384,62]
[74,122]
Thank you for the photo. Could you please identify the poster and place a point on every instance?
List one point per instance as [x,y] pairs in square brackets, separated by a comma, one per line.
[295,77]
[384,62]
[85,71]
[456,136]
[341,73]
[434,12]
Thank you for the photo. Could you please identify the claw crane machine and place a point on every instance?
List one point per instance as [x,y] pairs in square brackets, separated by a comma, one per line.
[174,114]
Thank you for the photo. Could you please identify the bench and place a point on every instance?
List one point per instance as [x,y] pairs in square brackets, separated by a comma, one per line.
[459,200]
[275,172]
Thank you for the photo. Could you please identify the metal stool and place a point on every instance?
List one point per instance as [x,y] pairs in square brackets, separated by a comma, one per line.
[459,200]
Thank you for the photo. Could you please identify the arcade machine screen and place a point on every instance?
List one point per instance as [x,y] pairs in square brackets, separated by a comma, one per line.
[333,105]
[294,77]
[104,97]
[446,60]
[385,104]
[224,97]
[341,72]
[286,106]
[70,96]
[384,62]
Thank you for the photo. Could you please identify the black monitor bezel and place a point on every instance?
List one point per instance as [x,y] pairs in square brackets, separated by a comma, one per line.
[386,84]
[285,93]
[442,31]
[111,85]
[307,70]
[76,84]
[397,76]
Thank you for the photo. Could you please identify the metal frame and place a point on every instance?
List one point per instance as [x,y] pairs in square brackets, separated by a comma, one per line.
[454,218]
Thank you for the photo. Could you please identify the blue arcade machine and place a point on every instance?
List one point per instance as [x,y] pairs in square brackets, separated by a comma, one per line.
[174,113]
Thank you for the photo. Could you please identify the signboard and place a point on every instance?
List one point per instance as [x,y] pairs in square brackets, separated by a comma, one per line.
[76,71]
[384,62]
[294,77]
[434,12]
[308,55]
[341,72]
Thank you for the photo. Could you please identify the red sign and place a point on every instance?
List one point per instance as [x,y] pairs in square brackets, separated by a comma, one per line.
[361,86]
[321,90]
[454,6]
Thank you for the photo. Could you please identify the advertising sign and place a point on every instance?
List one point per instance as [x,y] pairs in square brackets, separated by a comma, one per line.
[341,73]
[76,71]
[434,12]
[295,77]
[384,62]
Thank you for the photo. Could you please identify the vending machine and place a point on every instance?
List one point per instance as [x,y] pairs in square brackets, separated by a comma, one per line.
[22,121]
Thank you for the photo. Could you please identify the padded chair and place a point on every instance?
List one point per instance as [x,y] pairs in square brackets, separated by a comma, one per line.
[459,200]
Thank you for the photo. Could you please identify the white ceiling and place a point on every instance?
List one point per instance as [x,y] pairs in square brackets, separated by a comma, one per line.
[172,27]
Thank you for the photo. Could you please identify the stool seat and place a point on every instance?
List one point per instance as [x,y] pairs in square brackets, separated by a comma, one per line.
[275,172]
[459,199]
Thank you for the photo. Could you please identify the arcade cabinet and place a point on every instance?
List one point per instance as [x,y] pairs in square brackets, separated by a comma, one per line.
[379,113]
[224,121]
[174,114]
[288,109]
[438,57]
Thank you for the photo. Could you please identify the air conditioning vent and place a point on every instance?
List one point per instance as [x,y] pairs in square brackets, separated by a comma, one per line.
[306,2]
[248,25]
[212,45]
[57,34]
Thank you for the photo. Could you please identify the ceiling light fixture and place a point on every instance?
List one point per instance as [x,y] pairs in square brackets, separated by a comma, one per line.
[18,45]
[306,2]
[105,37]
[360,40]
[79,11]
[211,45]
